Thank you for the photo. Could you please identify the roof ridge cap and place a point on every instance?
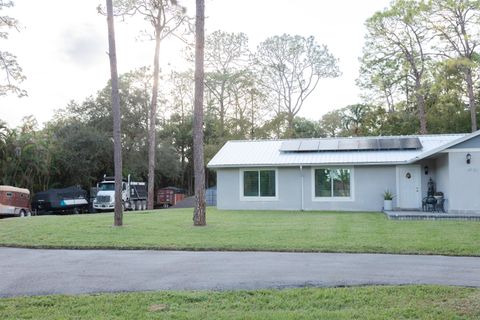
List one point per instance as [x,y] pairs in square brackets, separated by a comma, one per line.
[354,137]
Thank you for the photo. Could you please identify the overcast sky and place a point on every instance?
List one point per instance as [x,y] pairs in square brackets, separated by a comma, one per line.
[62,46]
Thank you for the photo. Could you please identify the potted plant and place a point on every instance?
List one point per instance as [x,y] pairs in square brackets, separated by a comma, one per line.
[387,200]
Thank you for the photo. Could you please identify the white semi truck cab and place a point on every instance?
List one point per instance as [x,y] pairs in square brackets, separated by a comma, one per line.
[134,195]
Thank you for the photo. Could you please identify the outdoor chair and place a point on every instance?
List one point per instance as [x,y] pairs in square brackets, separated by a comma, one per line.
[440,205]
[429,204]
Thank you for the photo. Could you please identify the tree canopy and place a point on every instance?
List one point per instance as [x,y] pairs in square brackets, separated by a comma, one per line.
[12,72]
[419,72]
[291,67]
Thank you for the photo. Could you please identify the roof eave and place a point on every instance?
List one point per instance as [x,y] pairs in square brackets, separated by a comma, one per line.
[232,166]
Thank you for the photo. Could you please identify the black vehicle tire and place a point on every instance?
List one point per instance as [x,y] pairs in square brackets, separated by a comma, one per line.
[22,213]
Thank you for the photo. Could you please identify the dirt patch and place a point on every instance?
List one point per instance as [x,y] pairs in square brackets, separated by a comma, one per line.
[468,306]
[158,307]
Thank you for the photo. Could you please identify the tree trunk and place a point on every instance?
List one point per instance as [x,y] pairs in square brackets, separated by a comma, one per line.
[252,130]
[290,130]
[471,98]
[222,112]
[184,182]
[421,107]
[117,142]
[278,112]
[152,127]
[199,216]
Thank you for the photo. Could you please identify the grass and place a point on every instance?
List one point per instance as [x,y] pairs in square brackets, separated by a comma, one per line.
[408,302]
[246,230]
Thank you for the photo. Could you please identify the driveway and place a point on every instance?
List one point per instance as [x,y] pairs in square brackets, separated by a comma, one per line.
[39,272]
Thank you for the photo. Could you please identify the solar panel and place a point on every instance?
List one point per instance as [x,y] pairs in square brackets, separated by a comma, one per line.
[389,144]
[308,145]
[347,144]
[290,145]
[351,144]
[368,144]
[411,143]
[328,145]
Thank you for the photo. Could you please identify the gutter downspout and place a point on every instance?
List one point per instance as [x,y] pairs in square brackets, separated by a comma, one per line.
[301,192]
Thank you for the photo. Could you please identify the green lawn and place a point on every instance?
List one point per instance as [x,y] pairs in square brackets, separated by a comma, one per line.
[246,230]
[409,302]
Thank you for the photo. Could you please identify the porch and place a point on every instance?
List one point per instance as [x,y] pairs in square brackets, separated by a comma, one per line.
[421,215]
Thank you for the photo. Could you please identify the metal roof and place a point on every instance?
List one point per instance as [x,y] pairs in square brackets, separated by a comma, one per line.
[260,153]
[14,189]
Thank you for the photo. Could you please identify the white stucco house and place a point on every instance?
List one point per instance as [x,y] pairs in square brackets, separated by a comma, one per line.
[348,173]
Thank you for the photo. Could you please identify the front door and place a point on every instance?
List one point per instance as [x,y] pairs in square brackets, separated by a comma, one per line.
[409,187]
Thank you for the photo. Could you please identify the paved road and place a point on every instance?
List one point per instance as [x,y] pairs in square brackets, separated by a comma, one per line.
[38,272]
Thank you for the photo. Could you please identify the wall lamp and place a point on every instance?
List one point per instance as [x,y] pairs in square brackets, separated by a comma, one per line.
[426,169]
[469,158]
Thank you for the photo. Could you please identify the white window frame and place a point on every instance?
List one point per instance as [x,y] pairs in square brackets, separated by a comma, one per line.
[258,198]
[335,199]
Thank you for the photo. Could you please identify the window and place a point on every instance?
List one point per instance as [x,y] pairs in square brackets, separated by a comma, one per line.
[9,194]
[332,183]
[106,186]
[259,183]
[250,183]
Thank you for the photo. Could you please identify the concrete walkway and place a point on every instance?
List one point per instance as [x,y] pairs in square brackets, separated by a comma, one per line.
[421,215]
[39,272]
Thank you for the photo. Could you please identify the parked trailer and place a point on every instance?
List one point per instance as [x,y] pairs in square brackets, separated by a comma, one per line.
[14,201]
[169,196]
[134,195]
[66,200]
